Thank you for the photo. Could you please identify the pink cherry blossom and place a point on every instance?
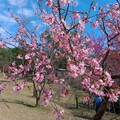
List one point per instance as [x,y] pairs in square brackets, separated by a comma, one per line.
[98,70]
[2,44]
[95,24]
[93,8]
[102,10]
[27,56]
[47,97]
[2,87]
[113,98]
[21,29]
[48,18]
[23,84]
[49,3]
[64,92]
[20,56]
[17,88]
[59,114]
[108,79]
[14,64]
[18,36]
[85,99]
[76,15]
[16,17]
[60,81]
[33,46]
[86,83]
[81,25]
[99,93]
[64,2]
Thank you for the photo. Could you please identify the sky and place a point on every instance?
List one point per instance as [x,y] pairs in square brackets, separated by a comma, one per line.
[25,9]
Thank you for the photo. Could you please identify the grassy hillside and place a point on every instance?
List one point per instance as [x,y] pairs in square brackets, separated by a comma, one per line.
[20,107]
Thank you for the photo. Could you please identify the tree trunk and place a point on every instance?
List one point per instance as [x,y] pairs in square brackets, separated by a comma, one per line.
[37,102]
[88,105]
[76,99]
[34,89]
[35,94]
[38,92]
[37,98]
[101,110]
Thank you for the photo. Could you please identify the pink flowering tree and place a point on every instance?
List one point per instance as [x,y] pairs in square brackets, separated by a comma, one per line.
[65,41]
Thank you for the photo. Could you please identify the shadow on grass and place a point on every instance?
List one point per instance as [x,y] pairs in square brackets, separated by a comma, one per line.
[69,106]
[39,107]
[76,112]
[84,117]
[65,105]
[30,96]
[18,102]
[25,104]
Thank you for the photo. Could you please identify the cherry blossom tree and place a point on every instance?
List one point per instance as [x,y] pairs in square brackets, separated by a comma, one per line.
[67,42]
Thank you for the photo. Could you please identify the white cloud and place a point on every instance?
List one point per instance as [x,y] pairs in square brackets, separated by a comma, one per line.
[19,3]
[34,6]
[75,2]
[33,22]
[7,19]
[26,12]
[1,30]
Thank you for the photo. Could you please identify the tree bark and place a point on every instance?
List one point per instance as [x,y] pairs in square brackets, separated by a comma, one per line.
[37,97]
[115,76]
[35,94]
[88,105]
[34,89]
[76,99]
